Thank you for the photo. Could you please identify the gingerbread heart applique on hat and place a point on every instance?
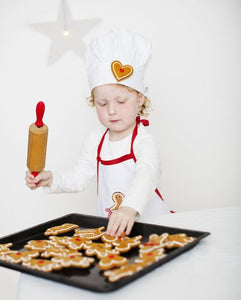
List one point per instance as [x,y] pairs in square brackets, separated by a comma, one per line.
[121,71]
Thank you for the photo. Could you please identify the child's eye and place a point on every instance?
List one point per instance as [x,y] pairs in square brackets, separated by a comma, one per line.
[101,103]
[121,101]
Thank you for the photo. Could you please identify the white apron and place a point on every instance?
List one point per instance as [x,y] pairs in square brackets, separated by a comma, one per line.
[114,178]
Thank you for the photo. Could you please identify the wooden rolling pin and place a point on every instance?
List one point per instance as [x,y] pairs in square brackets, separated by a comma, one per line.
[37,142]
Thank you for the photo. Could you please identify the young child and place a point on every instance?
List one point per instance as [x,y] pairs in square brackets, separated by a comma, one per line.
[123,155]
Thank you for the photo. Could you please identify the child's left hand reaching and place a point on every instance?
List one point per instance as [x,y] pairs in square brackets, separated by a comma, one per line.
[121,220]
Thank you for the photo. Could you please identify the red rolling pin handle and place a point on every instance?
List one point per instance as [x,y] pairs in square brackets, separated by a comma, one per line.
[40,108]
[34,173]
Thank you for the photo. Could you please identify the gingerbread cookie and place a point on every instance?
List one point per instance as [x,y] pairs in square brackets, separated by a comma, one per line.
[74,260]
[60,229]
[99,249]
[38,245]
[75,243]
[59,242]
[117,198]
[110,239]
[4,248]
[51,252]
[111,261]
[90,234]
[150,257]
[123,271]
[42,265]
[124,244]
[17,257]
[155,241]
[178,240]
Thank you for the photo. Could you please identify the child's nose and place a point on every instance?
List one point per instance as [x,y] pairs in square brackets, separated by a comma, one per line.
[112,109]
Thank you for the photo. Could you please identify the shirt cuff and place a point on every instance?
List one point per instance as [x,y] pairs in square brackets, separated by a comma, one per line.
[55,186]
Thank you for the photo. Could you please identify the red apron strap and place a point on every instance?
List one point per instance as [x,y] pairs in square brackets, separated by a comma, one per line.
[101,144]
[159,194]
[98,157]
[135,131]
[143,121]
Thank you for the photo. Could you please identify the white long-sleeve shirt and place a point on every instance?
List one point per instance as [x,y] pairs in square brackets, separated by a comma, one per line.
[146,176]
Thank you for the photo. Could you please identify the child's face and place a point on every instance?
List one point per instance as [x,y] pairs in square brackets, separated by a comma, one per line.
[117,108]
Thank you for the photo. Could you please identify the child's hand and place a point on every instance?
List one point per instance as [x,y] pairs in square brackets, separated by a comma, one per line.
[44,178]
[121,221]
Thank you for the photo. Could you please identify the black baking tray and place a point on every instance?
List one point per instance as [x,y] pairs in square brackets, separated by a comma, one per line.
[92,278]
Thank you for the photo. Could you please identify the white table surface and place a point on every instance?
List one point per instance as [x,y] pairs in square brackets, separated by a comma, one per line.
[211,270]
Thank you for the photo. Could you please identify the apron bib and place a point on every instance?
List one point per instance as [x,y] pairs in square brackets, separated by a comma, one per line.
[114,178]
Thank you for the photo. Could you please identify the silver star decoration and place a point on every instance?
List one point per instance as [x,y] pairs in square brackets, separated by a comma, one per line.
[66,34]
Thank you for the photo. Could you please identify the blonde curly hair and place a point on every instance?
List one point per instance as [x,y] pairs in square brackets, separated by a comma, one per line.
[144,110]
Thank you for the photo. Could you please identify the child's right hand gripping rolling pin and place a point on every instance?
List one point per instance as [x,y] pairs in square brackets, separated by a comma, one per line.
[37,142]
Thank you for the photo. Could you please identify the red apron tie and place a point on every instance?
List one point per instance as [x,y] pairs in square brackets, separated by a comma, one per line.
[143,121]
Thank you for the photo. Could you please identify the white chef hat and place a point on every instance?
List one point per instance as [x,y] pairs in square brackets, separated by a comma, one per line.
[119,57]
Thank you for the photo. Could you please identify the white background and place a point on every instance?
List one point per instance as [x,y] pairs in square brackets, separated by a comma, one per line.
[194,83]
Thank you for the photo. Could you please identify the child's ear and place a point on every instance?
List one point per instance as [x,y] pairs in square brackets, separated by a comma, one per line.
[140,99]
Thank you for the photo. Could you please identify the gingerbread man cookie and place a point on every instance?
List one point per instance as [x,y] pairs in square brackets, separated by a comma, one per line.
[178,240]
[75,243]
[117,198]
[60,229]
[42,265]
[51,252]
[155,241]
[58,242]
[99,249]
[90,234]
[17,257]
[150,257]
[123,271]
[124,244]
[111,261]
[38,245]
[5,248]
[74,260]
[110,239]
